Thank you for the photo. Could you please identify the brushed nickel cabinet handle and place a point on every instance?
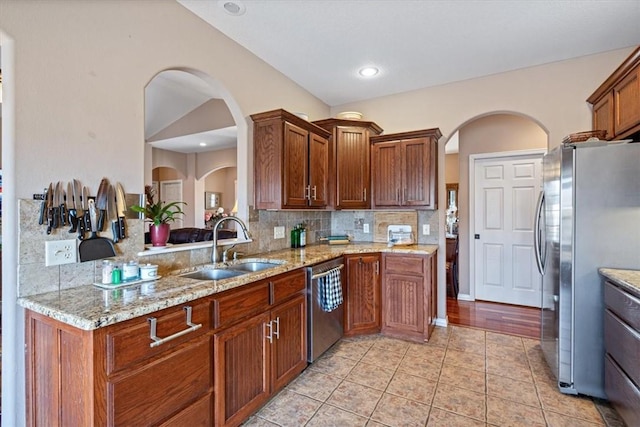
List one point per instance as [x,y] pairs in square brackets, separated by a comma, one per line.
[156,340]
[365,194]
[307,192]
[270,336]
[315,192]
[277,331]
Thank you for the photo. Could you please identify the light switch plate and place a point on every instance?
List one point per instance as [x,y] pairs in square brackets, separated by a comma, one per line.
[58,252]
[426,229]
[278,232]
[365,228]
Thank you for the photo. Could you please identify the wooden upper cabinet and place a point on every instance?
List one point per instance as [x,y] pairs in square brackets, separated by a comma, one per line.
[616,103]
[291,162]
[349,167]
[404,169]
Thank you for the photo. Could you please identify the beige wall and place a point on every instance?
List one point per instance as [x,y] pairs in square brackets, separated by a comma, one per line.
[222,181]
[451,168]
[490,134]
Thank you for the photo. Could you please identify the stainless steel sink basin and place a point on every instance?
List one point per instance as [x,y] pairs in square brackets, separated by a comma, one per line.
[213,274]
[253,266]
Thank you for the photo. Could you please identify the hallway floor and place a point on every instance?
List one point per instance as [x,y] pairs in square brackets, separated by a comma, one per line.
[461,377]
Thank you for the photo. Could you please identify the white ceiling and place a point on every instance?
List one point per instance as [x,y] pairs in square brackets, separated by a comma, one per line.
[321,44]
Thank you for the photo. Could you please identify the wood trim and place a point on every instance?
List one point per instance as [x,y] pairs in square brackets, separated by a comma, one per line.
[281,114]
[632,60]
[424,133]
[330,124]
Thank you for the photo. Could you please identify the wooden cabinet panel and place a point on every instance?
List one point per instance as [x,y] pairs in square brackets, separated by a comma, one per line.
[404,169]
[142,398]
[626,96]
[128,342]
[403,305]
[240,366]
[621,392]
[291,157]
[603,115]
[200,414]
[349,168]
[623,304]
[289,341]
[363,294]
[287,285]
[236,304]
[623,344]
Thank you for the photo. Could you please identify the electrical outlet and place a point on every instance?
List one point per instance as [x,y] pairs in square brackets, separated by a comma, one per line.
[365,228]
[278,232]
[426,229]
[58,252]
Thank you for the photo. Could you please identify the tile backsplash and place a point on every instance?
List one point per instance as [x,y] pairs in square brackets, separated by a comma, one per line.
[35,278]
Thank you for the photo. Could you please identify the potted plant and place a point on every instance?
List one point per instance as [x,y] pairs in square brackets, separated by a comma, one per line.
[159,214]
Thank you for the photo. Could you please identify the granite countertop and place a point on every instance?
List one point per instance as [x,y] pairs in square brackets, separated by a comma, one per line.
[626,279]
[89,307]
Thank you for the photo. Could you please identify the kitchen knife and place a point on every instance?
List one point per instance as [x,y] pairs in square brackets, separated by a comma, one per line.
[71,205]
[63,206]
[49,208]
[86,223]
[121,211]
[77,200]
[57,201]
[101,202]
[43,207]
[111,213]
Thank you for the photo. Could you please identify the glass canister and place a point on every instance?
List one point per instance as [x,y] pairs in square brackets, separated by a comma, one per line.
[130,271]
[107,269]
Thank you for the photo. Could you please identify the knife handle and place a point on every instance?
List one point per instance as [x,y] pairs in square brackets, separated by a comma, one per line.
[101,215]
[122,232]
[56,215]
[49,220]
[63,215]
[73,220]
[81,227]
[42,211]
[87,221]
[115,231]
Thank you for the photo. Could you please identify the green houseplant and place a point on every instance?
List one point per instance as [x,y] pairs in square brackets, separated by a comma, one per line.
[160,214]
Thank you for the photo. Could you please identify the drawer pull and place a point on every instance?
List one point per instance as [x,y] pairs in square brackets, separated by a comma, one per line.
[270,336]
[157,340]
[276,333]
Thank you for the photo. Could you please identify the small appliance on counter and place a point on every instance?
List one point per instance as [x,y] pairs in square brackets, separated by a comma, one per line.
[400,235]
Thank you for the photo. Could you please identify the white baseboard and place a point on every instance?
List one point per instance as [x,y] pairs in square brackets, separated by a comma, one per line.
[442,322]
[465,297]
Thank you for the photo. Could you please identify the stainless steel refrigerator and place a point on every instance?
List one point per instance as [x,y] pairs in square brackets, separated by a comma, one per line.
[588,217]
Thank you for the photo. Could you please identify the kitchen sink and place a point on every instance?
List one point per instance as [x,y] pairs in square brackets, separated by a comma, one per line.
[253,266]
[213,274]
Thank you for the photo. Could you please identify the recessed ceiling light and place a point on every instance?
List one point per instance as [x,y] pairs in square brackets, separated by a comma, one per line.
[368,71]
[203,144]
[234,8]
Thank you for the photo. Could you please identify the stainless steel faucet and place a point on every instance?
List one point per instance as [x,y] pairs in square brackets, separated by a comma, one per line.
[247,235]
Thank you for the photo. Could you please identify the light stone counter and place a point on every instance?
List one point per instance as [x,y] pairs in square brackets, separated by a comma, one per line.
[89,307]
[626,279]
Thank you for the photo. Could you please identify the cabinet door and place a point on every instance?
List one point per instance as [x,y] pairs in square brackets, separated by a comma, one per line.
[318,191]
[627,102]
[603,115]
[352,168]
[241,370]
[363,294]
[418,173]
[387,178]
[296,157]
[289,342]
[403,305]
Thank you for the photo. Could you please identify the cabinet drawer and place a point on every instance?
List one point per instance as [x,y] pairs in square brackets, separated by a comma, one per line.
[623,304]
[623,344]
[621,392]
[163,387]
[131,341]
[287,285]
[242,302]
[198,414]
[405,264]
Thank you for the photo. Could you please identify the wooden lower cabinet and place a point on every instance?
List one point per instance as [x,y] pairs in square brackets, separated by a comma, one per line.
[408,296]
[362,307]
[260,355]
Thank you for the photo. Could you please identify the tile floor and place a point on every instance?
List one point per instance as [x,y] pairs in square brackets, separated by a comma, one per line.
[462,377]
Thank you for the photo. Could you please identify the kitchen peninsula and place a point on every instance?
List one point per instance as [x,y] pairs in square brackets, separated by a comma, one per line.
[90,352]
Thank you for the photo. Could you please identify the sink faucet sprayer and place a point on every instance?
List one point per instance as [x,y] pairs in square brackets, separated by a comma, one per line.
[247,235]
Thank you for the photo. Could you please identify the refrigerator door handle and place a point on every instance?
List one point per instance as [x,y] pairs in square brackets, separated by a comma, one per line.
[537,240]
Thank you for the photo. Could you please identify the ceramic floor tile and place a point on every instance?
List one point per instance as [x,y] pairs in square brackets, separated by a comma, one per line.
[509,389]
[610,416]
[439,337]
[560,420]
[497,351]
[381,358]
[507,413]
[390,344]
[467,345]
[505,340]
[518,370]
[335,365]
[424,351]
[572,406]
[464,378]
[412,387]
[370,375]
[289,409]
[425,368]
[460,401]
[256,421]
[440,418]
[397,411]
[315,384]
[351,349]
[355,398]
[464,360]
[331,416]
[468,333]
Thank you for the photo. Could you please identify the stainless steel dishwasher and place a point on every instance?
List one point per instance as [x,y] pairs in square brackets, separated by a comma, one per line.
[323,328]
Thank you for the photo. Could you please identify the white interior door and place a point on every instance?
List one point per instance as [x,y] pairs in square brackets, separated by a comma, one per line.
[506,191]
[171,191]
